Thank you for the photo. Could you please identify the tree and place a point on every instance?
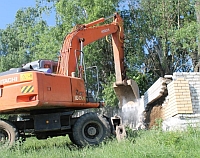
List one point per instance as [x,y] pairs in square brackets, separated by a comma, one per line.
[29,38]
[166,31]
[196,55]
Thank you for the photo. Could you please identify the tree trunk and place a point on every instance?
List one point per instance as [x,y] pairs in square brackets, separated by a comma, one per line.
[196,56]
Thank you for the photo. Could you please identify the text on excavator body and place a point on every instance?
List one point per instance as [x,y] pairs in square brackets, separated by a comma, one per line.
[8,80]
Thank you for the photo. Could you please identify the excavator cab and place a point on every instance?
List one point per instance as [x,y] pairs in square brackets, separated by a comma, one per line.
[92,83]
[42,65]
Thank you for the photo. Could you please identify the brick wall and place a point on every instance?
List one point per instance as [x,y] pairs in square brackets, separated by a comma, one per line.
[178,100]
[193,79]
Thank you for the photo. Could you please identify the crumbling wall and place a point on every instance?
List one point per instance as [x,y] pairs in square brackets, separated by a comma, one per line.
[153,100]
[154,114]
[156,91]
[181,106]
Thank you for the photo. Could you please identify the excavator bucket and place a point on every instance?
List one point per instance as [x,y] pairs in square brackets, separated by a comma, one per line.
[127,92]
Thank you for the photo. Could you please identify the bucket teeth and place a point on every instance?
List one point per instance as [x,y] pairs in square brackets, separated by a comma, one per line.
[120,133]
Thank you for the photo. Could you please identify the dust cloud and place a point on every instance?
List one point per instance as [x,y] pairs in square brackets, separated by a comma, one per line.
[132,113]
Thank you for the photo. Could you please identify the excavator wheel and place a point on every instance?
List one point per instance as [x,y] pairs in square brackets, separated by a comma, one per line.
[71,137]
[90,129]
[8,134]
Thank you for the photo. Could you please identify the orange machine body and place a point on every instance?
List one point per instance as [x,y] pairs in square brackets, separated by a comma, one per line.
[32,90]
[43,96]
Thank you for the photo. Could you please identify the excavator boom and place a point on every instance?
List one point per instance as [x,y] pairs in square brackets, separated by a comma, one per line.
[85,34]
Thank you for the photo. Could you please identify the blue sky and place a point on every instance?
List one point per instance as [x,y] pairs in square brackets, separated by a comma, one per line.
[8,9]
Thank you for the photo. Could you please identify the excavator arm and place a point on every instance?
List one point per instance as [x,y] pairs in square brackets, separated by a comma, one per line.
[86,34]
[72,51]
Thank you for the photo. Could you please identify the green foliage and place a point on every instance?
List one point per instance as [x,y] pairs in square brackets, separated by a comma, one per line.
[108,92]
[4,116]
[158,124]
[145,144]
[29,38]
[172,139]
[141,80]
[154,29]
[131,134]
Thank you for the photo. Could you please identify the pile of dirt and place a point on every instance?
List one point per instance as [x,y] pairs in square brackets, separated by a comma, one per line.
[152,114]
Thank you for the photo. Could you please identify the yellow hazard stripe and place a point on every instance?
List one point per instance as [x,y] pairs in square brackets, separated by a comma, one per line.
[27,89]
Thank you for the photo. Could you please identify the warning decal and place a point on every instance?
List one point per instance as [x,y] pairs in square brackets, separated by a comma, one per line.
[27,89]
[26,77]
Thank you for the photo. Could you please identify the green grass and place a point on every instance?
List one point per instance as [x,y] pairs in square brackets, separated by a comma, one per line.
[142,144]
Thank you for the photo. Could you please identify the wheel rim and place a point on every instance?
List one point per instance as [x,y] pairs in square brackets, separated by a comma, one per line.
[92,131]
[4,138]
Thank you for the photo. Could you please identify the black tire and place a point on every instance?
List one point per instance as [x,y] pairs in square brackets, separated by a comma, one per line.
[90,129]
[41,136]
[71,137]
[8,134]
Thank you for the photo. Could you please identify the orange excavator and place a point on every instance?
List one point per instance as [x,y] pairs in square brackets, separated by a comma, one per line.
[42,96]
